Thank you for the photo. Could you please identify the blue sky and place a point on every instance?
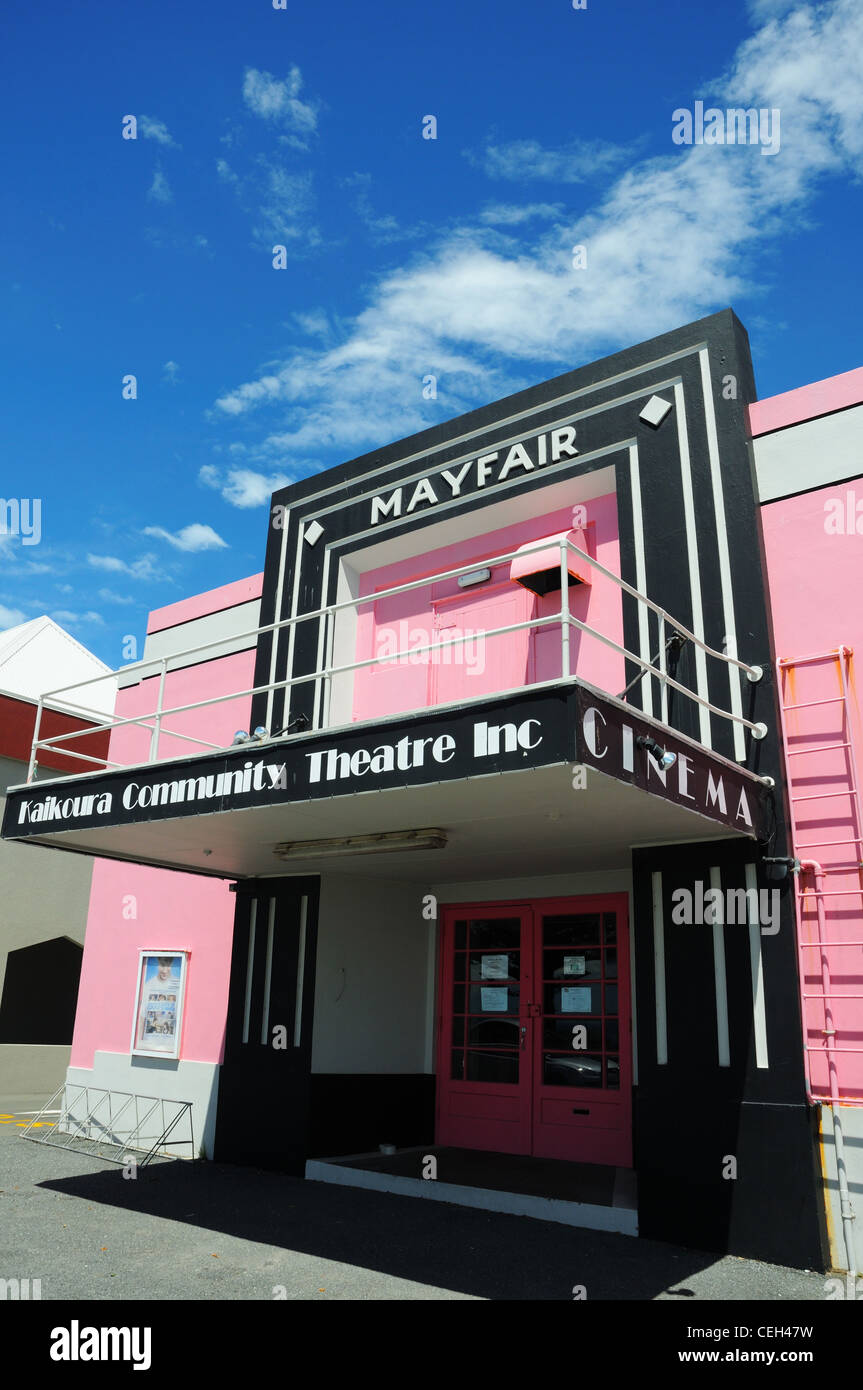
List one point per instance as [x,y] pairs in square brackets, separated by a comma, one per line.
[406,256]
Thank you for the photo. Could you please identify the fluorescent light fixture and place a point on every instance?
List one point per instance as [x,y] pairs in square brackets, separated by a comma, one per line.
[349,845]
[475,577]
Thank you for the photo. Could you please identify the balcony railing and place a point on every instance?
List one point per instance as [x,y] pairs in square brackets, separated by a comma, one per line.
[325,674]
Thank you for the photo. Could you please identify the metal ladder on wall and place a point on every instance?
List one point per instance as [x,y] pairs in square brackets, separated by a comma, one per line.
[827,995]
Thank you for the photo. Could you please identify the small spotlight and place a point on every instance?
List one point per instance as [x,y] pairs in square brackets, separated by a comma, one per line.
[260,733]
[239,737]
[664,758]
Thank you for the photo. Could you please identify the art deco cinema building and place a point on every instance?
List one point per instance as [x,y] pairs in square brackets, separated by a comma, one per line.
[544,860]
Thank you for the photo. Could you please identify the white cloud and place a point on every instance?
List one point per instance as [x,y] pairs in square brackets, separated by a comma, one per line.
[151,129]
[171,373]
[674,237]
[63,615]
[512,214]
[225,172]
[280,202]
[108,596]
[315,324]
[242,487]
[160,190]
[286,203]
[195,537]
[143,568]
[382,229]
[764,10]
[279,101]
[527,159]
[11,617]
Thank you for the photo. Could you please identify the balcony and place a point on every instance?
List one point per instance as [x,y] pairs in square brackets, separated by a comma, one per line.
[160,794]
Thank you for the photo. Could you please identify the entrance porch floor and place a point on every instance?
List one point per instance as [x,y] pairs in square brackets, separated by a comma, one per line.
[576,1194]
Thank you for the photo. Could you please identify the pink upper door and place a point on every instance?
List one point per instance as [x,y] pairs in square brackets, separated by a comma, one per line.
[480,664]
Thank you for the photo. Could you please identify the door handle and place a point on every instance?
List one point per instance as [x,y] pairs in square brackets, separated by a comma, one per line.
[523,1035]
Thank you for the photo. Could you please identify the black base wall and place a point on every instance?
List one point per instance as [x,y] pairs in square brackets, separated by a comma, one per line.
[769,1211]
[694,1117]
[354,1114]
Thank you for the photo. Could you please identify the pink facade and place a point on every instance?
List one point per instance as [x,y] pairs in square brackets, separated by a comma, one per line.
[133,907]
[483,664]
[201,605]
[212,723]
[815,567]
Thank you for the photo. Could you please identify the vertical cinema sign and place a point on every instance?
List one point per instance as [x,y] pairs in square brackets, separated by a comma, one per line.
[608,740]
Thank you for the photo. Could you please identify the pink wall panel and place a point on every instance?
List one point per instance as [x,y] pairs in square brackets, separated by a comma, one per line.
[174,911]
[217,723]
[807,402]
[484,664]
[815,584]
[171,910]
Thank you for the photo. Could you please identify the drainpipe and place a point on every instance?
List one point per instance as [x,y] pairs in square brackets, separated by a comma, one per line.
[812,866]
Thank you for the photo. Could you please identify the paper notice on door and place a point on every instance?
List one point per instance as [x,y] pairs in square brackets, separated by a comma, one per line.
[575,1000]
[574,965]
[493,1000]
[495,968]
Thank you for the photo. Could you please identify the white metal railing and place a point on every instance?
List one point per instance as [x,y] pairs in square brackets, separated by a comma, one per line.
[328,614]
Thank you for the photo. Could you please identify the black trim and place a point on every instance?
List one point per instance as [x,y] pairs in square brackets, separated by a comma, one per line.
[691,1114]
[353,1114]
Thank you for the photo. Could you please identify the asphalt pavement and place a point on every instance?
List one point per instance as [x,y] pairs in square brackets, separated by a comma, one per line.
[198,1230]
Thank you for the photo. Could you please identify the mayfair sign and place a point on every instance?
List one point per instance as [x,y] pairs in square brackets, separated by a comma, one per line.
[521,458]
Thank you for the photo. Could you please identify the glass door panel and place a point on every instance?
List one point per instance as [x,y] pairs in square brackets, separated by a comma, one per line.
[484,1074]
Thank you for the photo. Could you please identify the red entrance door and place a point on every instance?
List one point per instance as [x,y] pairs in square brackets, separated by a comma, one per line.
[535,1051]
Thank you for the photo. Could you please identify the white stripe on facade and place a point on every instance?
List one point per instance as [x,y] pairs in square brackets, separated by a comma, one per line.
[277,613]
[693,561]
[659,970]
[759,1016]
[250,965]
[720,983]
[725,585]
[301,970]
[640,575]
[268,972]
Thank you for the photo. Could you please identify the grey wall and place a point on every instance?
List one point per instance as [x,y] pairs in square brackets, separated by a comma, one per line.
[374,985]
[851,1119]
[44,893]
[808,456]
[220,628]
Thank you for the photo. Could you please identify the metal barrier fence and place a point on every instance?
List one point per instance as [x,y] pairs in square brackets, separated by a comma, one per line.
[92,1119]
